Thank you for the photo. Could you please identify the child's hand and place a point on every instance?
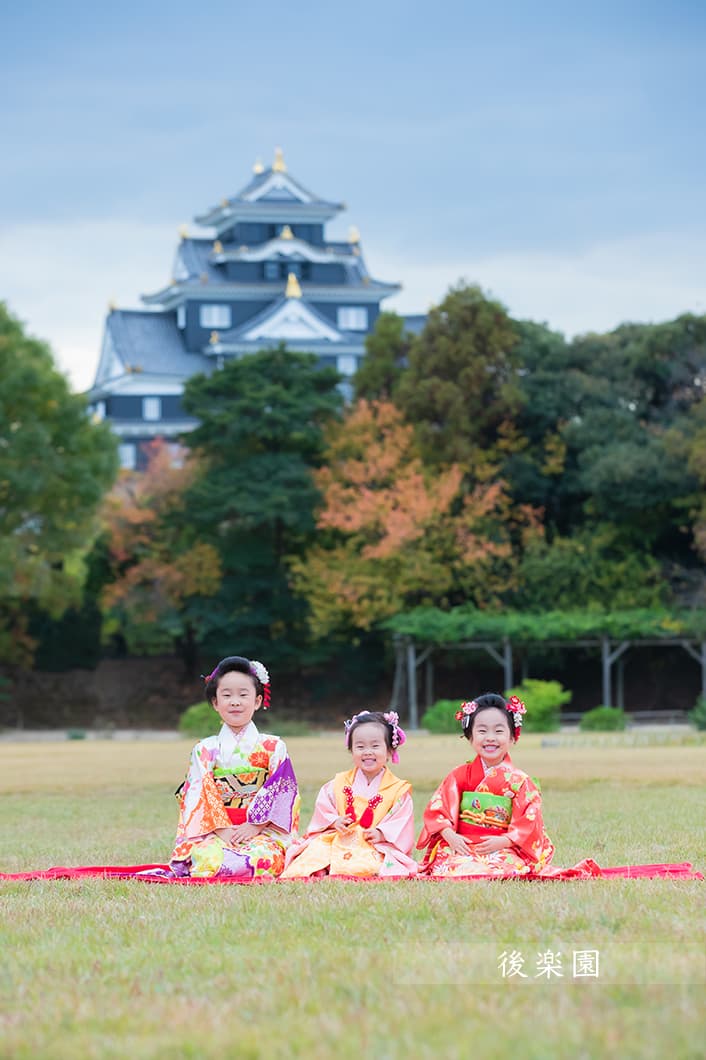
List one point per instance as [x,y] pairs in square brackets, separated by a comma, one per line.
[491,844]
[240,833]
[458,844]
[373,835]
[342,823]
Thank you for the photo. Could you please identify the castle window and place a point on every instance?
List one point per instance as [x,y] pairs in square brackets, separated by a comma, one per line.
[215,316]
[181,316]
[128,455]
[353,318]
[272,270]
[347,364]
[151,408]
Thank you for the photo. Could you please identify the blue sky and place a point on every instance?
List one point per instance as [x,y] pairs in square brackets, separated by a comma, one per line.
[552,152]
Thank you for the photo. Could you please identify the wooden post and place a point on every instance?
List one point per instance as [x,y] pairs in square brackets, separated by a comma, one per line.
[605,656]
[412,684]
[621,684]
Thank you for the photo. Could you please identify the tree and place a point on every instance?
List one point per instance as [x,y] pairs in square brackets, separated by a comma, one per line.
[162,575]
[461,385]
[386,353]
[395,534]
[260,435]
[55,466]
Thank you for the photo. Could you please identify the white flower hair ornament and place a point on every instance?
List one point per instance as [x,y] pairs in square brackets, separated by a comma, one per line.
[260,672]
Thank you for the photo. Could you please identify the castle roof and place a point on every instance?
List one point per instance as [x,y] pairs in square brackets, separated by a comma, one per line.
[270,194]
[145,342]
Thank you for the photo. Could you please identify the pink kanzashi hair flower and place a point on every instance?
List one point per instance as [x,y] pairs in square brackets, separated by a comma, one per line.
[465,709]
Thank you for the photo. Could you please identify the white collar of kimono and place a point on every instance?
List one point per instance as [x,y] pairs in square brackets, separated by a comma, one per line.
[244,741]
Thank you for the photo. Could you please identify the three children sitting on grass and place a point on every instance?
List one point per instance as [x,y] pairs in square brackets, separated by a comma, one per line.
[239,802]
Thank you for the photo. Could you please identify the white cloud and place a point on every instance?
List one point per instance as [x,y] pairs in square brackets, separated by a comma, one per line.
[59,278]
[596,288]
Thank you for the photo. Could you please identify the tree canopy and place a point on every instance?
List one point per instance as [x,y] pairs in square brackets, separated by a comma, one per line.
[55,465]
[260,436]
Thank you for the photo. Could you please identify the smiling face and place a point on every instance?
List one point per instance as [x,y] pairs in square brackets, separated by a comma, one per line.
[236,700]
[369,748]
[491,736]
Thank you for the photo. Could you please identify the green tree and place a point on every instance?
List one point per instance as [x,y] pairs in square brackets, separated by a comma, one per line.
[55,466]
[461,386]
[160,572]
[595,569]
[386,353]
[260,435]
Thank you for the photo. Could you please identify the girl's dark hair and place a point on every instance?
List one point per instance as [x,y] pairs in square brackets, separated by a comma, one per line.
[364,718]
[485,702]
[231,662]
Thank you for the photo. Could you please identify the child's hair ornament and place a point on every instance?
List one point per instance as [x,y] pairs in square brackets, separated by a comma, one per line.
[263,677]
[256,669]
[465,709]
[398,737]
[517,709]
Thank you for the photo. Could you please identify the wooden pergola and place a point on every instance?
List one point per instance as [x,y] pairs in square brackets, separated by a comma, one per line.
[411,654]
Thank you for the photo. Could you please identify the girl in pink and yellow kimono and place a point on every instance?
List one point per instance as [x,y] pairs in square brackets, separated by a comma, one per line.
[363,821]
[485,818]
[239,803]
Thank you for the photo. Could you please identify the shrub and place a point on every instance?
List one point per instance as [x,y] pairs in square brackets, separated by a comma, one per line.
[603,719]
[543,700]
[440,716]
[199,721]
[697,716]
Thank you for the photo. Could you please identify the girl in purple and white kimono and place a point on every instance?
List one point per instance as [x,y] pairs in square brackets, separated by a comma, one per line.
[239,806]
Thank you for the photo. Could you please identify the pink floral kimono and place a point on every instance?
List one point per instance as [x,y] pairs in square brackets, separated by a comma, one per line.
[384,803]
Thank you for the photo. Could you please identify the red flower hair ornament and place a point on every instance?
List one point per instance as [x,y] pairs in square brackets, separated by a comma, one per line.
[514,705]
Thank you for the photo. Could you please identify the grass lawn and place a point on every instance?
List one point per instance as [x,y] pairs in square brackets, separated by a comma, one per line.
[94,968]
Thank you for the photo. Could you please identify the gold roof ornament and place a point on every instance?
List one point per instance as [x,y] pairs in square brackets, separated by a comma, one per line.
[286,233]
[279,165]
[218,247]
[225,202]
[353,234]
[258,168]
[112,305]
[183,232]
[293,289]
[214,338]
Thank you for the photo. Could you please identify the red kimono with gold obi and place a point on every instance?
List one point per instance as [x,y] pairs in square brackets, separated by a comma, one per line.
[517,813]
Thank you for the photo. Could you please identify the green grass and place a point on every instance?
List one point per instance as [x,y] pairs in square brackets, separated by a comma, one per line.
[94,968]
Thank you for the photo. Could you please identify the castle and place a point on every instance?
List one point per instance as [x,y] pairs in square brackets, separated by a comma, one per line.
[263,273]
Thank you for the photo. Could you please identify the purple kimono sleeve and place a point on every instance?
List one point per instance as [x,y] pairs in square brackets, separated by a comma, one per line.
[274,802]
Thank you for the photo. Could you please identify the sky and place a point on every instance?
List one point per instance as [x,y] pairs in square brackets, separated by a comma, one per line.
[553,153]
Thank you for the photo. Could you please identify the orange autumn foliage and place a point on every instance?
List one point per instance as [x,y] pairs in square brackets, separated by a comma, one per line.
[395,534]
[157,568]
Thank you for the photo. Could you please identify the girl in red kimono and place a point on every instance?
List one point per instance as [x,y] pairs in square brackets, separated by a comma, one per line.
[485,818]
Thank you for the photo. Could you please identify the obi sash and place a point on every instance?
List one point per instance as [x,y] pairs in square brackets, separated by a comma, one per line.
[482,814]
[238,785]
